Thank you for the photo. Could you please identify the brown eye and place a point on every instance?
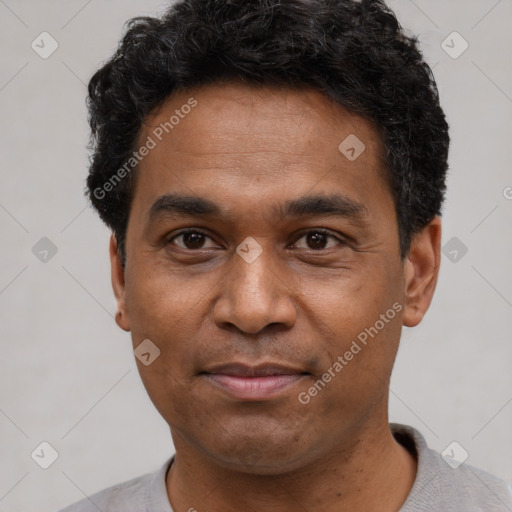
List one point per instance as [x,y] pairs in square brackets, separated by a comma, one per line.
[191,240]
[318,240]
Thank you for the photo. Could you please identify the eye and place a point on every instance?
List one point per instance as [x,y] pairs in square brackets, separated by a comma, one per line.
[191,239]
[318,239]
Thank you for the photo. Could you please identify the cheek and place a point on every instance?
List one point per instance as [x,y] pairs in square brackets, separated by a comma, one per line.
[161,302]
[351,301]
[358,323]
[165,310]
[363,332]
[162,308]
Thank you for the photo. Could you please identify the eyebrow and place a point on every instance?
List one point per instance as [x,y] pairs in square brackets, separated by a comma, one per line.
[174,205]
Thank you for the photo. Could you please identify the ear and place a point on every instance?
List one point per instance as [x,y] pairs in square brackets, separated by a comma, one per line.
[118,285]
[421,268]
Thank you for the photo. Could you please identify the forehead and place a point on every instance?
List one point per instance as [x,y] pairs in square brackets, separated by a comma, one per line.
[226,113]
[257,142]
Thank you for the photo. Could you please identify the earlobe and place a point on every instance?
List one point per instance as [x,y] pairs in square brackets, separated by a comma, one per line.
[421,269]
[118,285]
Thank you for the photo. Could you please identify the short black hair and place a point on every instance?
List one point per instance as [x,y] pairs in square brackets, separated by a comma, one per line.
[354,51]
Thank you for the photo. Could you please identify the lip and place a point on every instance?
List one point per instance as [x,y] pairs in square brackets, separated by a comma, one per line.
[254,383]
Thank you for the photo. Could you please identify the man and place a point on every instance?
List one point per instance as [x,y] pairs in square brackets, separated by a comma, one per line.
[273,174]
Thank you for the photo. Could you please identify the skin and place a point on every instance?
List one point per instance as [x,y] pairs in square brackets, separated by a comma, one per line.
[300,303]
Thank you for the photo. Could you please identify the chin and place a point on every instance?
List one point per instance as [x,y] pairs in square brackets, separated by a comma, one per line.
[265,457]
[256,464]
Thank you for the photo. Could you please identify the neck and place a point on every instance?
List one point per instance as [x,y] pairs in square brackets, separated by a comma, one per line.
[372,472]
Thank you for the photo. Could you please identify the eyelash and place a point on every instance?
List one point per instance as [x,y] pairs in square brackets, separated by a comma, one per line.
[199,232]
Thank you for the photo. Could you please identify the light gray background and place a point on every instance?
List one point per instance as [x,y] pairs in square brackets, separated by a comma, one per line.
[68,373]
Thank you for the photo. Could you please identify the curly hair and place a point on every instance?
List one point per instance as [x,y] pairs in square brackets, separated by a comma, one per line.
[354,51]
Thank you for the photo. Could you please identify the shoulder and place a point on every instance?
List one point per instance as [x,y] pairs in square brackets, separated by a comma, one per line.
[442,484]
[128,494]
[131,496]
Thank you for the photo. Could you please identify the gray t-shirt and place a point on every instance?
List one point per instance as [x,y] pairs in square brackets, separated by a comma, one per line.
[438,486]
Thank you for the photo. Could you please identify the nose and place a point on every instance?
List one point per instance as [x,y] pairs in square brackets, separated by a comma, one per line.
[255,295]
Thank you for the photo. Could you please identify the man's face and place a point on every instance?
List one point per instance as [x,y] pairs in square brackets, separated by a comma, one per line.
[329,267]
